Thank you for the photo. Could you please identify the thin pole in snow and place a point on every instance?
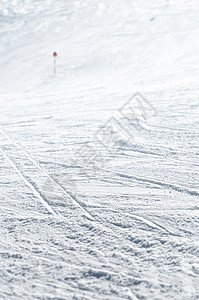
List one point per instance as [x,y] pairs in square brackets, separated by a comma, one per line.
[54,66]
[54,55]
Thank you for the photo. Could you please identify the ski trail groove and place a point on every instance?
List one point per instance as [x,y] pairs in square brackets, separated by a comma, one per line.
[150,223]
[74,199]
[176,188]
[42,200]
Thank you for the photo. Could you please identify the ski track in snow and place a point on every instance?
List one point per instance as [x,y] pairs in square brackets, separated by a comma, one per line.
[49,208]
[44,202]
[156,182]
[74,199]
[89,215]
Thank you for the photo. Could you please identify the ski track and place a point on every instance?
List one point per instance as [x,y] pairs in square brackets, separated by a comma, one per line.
[89,215]
[150,223]
[41,199]
[156,182]
[73,198]
[100,223]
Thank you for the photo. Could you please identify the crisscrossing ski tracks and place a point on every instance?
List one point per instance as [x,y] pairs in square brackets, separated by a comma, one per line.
[20,168]
[17,164]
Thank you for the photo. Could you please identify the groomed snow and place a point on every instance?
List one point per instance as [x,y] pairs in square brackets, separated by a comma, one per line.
[89,213]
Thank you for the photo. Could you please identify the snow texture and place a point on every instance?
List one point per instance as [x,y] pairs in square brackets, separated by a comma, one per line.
[99,162]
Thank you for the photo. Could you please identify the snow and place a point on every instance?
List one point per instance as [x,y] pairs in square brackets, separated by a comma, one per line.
[95,204]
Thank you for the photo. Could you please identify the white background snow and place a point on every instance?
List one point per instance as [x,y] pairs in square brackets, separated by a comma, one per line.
[79,220]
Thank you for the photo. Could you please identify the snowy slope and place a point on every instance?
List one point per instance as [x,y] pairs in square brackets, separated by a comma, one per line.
[86,215]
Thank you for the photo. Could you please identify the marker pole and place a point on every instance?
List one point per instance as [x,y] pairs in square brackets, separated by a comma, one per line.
[54,55]
[54,66]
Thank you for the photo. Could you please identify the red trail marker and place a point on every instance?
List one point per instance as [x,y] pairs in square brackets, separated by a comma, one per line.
[55,55]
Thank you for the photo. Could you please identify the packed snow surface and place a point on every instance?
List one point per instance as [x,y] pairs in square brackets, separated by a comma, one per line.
[99,162]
